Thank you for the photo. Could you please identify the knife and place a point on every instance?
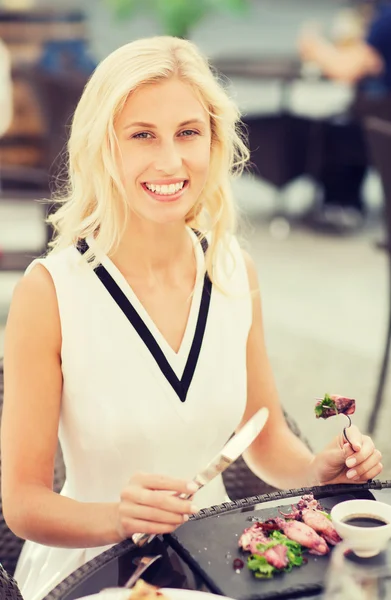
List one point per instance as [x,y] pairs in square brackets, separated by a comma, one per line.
[231,452]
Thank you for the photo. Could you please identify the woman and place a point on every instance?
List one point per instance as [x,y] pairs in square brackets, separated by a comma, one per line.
[147,364]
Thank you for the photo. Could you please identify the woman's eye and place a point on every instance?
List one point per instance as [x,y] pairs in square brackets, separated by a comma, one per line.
[143,135]
[188,133]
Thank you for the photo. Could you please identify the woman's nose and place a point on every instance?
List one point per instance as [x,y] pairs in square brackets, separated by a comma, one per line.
[169,159]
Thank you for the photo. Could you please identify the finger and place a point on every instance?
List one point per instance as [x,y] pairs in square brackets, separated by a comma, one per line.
[354,437]
[360,457]
[156,499]
[347,450]
[161,482]
[131,526]
[366,465]
[343,442]
[156,515]
[339,454]
[371,474]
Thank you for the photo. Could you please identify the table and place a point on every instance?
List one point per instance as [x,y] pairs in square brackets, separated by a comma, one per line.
[300,93]
[114,567]
[286,137]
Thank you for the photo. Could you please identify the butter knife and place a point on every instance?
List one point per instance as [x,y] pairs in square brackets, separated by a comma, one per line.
[231,452]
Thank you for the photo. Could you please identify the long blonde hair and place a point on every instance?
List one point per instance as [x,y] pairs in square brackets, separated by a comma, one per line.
[93,200]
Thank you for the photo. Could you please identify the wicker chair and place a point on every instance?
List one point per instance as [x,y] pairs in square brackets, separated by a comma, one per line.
[8,586]
[240,481]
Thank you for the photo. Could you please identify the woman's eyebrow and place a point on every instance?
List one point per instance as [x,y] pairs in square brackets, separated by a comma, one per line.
[152,126]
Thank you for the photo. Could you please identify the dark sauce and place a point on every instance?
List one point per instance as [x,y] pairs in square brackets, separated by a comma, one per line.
[238,564]
[364,521]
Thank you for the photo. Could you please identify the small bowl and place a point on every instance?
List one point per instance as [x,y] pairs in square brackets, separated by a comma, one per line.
[364,541]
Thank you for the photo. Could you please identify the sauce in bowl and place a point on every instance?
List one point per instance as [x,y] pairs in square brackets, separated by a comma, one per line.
[364,521]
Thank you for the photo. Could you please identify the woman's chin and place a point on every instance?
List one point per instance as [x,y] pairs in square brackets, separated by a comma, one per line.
[165,217]
[172,213]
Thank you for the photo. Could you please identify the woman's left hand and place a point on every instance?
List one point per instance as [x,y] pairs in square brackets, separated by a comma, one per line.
[341,462]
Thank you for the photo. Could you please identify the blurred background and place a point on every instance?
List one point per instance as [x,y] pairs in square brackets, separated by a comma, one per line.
[313,202]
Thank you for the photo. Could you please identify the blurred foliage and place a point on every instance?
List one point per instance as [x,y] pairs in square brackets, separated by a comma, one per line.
[178,17]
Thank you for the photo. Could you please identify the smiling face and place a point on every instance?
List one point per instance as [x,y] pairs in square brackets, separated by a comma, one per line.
[164,141]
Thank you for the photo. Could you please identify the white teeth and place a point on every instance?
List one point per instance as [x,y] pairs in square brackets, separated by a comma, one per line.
[165,190]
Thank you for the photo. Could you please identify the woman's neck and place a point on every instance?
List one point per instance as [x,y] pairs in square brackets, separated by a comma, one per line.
[150,250]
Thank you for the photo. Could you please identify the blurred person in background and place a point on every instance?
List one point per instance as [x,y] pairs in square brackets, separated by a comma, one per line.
[366,64]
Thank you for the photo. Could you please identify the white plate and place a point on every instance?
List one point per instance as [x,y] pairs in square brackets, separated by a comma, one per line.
[190,595]
[172,594]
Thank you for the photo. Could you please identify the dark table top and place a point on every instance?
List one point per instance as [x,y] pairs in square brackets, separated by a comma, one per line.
[285,68]
[114,567]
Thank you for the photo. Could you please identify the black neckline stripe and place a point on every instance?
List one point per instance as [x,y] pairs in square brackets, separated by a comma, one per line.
[180,386]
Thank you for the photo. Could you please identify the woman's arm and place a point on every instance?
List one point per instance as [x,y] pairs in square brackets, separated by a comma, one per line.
[32,397]
[348,65]
[33,385]
[277,455]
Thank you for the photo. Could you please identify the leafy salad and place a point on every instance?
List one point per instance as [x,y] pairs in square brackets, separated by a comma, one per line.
[264,570]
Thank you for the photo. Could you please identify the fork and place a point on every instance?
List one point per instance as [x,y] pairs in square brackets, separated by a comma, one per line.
[344,431]
[143,563]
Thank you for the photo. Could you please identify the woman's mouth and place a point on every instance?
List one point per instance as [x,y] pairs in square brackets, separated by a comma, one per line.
[167,192]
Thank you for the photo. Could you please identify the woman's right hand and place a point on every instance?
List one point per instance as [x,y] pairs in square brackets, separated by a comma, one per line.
[150,504]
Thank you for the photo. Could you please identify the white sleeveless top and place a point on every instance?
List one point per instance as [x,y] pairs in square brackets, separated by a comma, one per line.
[129,402]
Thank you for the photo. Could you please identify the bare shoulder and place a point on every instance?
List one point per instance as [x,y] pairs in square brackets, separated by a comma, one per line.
[34,308]
[35,290]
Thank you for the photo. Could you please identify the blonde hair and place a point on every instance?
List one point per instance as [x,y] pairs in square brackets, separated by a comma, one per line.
[93,200]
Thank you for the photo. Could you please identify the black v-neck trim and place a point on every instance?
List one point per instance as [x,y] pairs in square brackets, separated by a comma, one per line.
[180,386]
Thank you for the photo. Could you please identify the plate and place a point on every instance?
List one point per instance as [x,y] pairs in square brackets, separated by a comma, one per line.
[171,593]
[114,594]
[210,544]
[190,595]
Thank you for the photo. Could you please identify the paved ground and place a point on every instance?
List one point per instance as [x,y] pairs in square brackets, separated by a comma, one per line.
[324,301]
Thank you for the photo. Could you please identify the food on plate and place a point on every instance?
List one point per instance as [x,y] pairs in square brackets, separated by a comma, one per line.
[333,404]
[316,519]
[145,591]
[277,545]
[308,501]
[304,535]
[238,564]
[269,554]
[254,540]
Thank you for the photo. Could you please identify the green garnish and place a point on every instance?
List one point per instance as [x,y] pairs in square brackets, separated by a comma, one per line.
[325,514]
[327,402]
[262,569]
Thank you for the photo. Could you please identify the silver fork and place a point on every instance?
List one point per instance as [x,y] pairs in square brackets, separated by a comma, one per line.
[344,431]
[143,563]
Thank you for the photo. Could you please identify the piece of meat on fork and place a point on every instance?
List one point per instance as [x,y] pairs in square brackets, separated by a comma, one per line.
[332,405]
